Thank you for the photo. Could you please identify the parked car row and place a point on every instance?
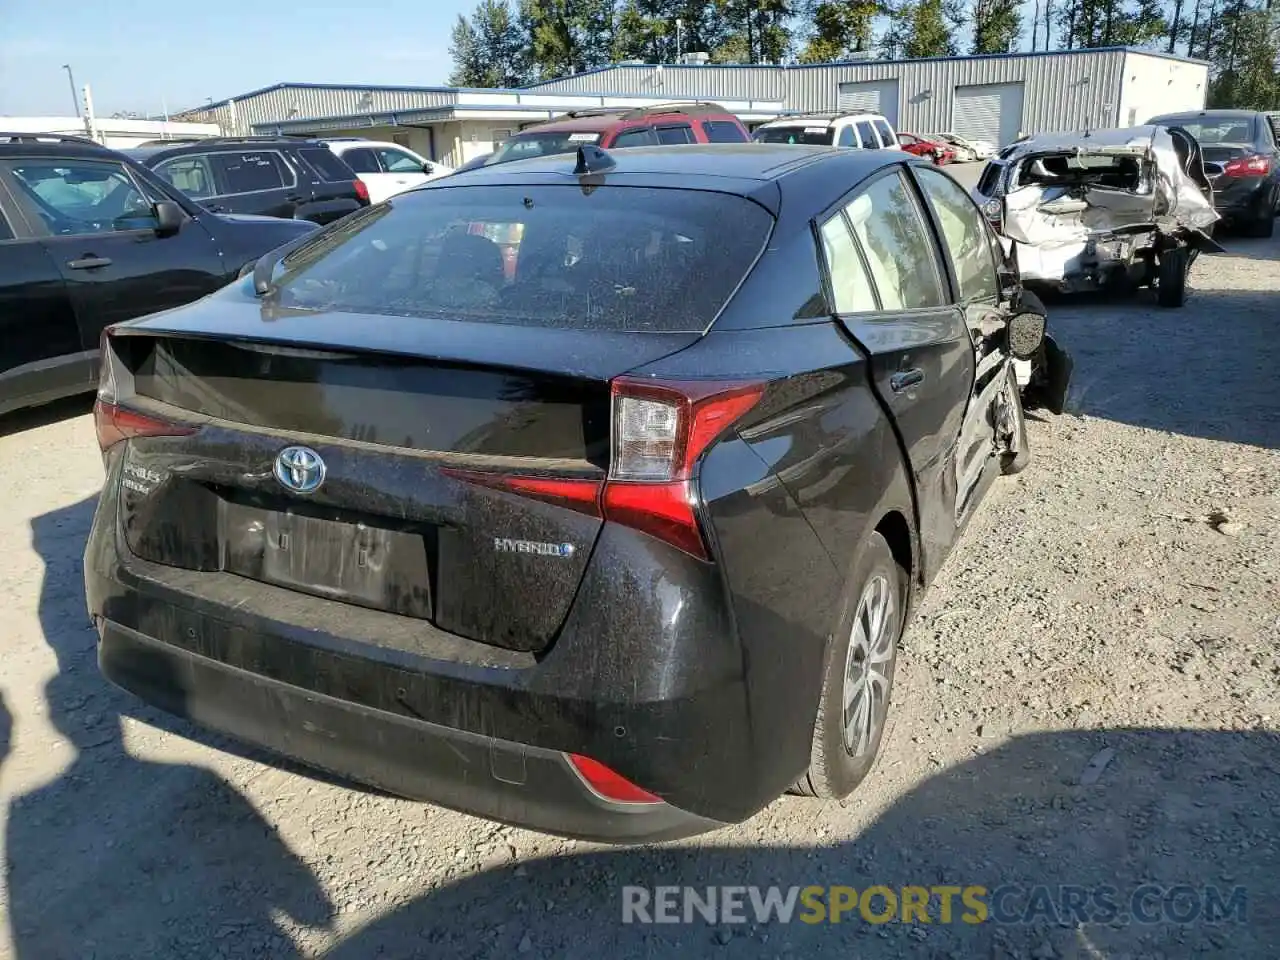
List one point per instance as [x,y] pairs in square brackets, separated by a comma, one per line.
[89,237]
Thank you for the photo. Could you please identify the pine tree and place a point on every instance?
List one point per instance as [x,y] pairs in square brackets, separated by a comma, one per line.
[1244,53]
[839,28]
[928,35]
[488,49]
[755,31]
[997,24]
[568,36]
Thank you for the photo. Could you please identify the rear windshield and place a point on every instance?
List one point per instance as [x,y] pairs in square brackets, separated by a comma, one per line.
[814,136]
[326,163]
[525,145]
[613,258]
[1211,130]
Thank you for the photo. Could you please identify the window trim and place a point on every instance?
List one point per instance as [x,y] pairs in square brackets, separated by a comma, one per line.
[242,193]
[940,240]
[213,179]
[37,228]
[398,148]
[839,208]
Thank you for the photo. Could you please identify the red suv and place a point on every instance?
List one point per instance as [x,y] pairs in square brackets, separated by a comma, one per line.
[624,127]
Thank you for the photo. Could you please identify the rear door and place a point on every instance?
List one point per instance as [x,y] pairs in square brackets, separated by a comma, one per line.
[98,227]
[891,293]
[634,137]
[975,281]
[41,355]
[258,182]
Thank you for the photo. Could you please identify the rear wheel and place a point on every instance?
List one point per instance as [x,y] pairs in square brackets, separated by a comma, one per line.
[859,676]
[1171,277]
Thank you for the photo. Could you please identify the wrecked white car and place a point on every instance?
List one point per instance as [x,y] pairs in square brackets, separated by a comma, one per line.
[1103,209]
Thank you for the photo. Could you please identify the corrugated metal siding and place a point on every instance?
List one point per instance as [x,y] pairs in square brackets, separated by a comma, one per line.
[1067,91]
[292,103]
[730,83]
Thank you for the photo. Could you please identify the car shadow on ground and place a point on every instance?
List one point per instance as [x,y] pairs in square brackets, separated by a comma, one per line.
[1177,826]
[42,416]
[1206,370]
[125,857]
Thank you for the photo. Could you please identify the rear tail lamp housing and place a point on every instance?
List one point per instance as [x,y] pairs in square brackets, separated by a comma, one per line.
[1255,166]
[113,422]
[660,431]
[362,190]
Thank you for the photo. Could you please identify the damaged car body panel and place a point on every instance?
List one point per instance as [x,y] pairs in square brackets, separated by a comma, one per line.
[1105,208]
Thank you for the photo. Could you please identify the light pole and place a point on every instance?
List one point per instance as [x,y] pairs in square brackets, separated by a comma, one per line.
[71,78]
[679,40]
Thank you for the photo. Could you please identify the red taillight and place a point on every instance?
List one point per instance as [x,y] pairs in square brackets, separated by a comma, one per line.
[582,495]
[114,423]
[362,190]
[659,432]
[1248,167]
[608,784]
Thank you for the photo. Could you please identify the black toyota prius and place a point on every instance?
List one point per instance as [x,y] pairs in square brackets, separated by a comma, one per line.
[587,493]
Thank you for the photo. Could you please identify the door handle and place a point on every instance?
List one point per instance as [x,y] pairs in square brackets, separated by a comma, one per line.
[905,379]
[89,263]
[294,198]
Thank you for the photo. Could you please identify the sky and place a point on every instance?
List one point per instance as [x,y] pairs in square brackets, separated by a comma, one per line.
[148,55]
[139,55]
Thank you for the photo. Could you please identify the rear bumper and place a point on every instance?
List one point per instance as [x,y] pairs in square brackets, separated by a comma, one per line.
[499,779]
[1240,196]
[646,677]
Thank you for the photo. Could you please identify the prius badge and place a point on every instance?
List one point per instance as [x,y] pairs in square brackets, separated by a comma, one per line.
[299,469]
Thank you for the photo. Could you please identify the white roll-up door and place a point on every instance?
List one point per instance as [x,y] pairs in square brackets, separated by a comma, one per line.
[873,96]
[991,111]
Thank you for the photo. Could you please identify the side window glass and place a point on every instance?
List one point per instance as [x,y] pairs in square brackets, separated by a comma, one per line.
[989,180]
[885,131]
[397,161]
[723,131]
[850,285]
[249,172]
[964,234]
[846,138]
[635,138]
[362,160]
[867,135]
[6,231]
[76,197]
[191,175]
[899,249]
[678,134]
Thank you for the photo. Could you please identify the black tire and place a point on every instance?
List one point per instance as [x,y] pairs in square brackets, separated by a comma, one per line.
[836,769]
[1016,462]
[1171,277]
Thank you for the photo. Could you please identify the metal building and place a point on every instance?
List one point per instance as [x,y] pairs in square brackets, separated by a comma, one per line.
[983,97]
[448,124]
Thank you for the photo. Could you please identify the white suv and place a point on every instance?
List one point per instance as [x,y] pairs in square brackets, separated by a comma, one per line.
[386,168]
[868,131]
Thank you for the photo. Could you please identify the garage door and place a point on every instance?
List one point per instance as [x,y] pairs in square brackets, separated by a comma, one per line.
[988,112]
[875,96]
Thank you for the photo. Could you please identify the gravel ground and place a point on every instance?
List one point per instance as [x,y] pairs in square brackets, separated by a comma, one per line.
[1089,696]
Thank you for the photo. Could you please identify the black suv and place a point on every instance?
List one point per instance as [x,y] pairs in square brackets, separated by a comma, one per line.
[87,238]
[1242,160]
[270,176]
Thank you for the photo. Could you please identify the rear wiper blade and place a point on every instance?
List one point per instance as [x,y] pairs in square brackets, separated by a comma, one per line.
[333,234]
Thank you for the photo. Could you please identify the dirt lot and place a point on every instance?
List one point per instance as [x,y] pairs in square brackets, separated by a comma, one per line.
[1117,602]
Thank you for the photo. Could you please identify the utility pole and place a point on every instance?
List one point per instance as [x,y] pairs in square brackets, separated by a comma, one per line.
[679,40]
[75,100]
